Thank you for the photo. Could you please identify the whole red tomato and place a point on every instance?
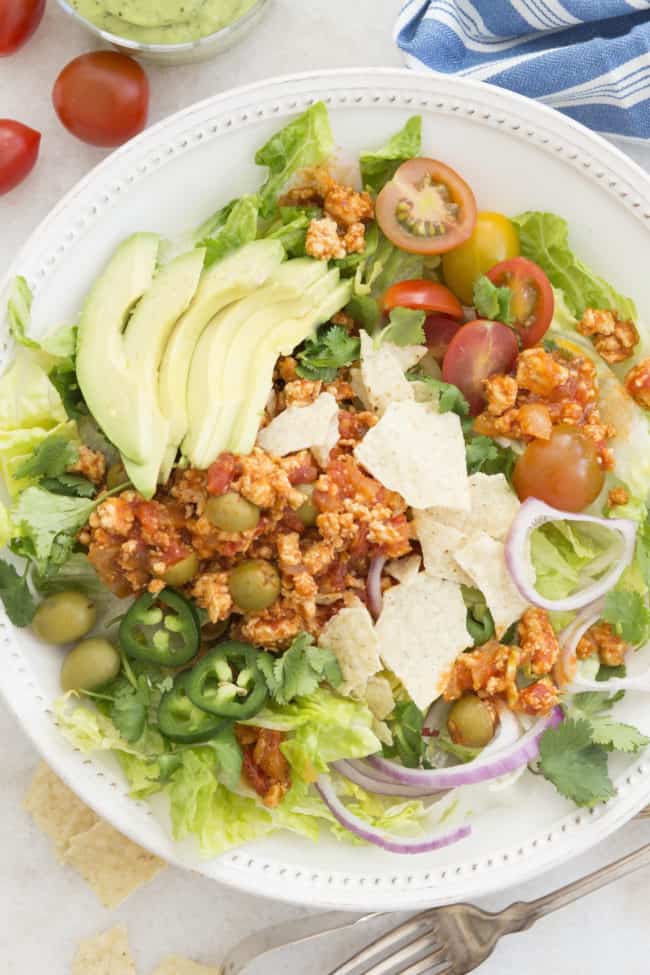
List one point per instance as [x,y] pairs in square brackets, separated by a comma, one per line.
[102,98]
[18,21]
[18,152]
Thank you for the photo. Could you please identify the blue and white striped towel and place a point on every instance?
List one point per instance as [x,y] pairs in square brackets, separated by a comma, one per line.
[588,58]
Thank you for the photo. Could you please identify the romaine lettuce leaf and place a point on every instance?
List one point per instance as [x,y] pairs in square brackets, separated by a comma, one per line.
[545,240]
[562,555]
[239,228]
[378,167]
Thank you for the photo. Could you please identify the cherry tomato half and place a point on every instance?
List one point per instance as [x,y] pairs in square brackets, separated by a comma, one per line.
[478,350]
[423,295]
[439,331]
[532,302]
[494,239]
[426,208]
[102,98]
[18,152]
[18,21]
[563,471]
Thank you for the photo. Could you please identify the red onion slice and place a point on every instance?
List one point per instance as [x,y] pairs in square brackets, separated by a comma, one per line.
[387,841]
[533,514]
[364,777]
[565,668]
[488,765]
[373,584]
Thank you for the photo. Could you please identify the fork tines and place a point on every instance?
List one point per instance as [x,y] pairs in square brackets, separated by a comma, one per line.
[413,948]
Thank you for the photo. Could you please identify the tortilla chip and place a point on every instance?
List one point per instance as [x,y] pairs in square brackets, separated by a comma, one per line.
[483,558]
[420,454]
[494,507]
[382,376]
[379,697]
[182,966]
[421,630]
[351,636]
[113,865]
[56,810]
[439,542]
[404,569]
[105,954]
[300,427]
[408,355]
[322,451]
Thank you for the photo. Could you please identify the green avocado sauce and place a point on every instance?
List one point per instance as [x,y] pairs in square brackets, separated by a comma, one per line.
[162,21]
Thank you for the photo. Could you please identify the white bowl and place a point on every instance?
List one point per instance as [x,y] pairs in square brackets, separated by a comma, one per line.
[517,155]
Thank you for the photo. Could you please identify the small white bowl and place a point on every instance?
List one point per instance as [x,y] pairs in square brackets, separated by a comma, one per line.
[199,50]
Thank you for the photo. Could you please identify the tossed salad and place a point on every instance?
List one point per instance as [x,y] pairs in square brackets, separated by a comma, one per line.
[340,512]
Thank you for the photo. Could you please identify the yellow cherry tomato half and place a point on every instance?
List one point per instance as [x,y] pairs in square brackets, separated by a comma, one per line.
[494,239]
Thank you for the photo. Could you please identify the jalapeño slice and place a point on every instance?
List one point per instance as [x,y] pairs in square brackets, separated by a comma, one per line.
[228,682]
[162,629]
[181,721]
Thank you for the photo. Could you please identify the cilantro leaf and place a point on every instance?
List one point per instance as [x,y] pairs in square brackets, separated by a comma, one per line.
[628,614]
[574,764]
[492,302]
[365,312]
[300,670]
[129,710]
[590,704]
[322,357]
[486,455]
[15,595]
[405,327]
[50,458]
[229,756]
[74,485]
[64,379]
[406,726]
[47,525]
[617,736]
[606,673]
[449,397]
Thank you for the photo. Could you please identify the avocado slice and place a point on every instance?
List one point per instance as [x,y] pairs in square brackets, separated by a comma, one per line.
[219,285]
[215,391]
[104,379]
[278,341]
[144,440]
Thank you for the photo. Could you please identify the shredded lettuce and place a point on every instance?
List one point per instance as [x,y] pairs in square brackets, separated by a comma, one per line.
[545,240]
[562,556]
[378,167]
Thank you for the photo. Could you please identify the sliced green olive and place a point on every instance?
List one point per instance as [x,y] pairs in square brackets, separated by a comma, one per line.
[232,513]
[181,572]
[64,617]
[254,585]
[89,665]
[307,512]
[471,722]
[116,475]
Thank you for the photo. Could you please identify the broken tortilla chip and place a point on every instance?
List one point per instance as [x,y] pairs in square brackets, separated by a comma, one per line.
[483,559]
[419,454]
[174,965]
[404,569]
[439,542]
[494,507]
[351,636]
[382,375]
[112,864]
[300,427]
[56,810]
[105,954]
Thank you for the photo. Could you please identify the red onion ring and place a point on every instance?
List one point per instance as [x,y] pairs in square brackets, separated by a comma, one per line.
[488,766]
[373,584]
[569,638]
[393,844]
[368,780]
[533,514]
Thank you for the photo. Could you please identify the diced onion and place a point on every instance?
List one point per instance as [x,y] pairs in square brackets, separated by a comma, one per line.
[373,584]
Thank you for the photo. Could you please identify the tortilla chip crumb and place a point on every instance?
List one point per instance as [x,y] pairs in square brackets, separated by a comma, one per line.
[56,810]
[113,865]
[181,966]
[105,954]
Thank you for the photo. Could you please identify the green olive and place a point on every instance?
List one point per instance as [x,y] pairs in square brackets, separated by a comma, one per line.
[307,512]
[181,572]
[116,475]
[89,665]
[64,617]
[254,585]
[471,722]
[232,513]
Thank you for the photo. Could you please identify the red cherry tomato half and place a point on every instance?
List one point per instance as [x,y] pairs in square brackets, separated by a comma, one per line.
[532,302]
[18,21]
[423,295]
[102,98]
[18,152]
[563,471]
[478,350]
[439,331]
[426,208]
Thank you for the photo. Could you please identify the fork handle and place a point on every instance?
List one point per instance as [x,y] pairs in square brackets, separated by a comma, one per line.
[527,912]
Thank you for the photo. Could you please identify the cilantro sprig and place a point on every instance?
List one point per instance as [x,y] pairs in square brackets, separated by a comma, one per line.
[627,612]
[405,327]
[492,301]
[322,357]
[300,670]
[15,595]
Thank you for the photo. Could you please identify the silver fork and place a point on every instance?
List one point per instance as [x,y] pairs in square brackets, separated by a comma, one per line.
[457,939]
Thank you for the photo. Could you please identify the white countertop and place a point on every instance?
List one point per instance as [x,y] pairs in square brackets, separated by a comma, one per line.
[44,908]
